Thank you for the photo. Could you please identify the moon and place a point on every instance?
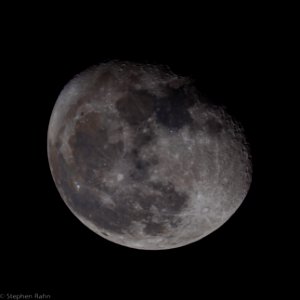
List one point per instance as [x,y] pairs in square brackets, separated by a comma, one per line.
[142,159]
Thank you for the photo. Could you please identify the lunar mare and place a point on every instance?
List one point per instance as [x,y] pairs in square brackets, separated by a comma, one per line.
[144,161]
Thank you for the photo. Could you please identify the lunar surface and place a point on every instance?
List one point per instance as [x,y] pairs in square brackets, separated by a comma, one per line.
[144,161]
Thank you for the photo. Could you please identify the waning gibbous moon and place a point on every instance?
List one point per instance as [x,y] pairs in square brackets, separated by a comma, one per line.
[144,161]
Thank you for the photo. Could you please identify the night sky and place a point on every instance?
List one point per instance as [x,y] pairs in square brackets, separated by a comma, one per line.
[44,248]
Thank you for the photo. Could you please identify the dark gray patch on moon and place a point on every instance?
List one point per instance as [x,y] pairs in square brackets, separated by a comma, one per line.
[140,160]
[140,170]
[213,127]
[135,107]
[90,148]
[170,201]
[144,138]
[172,111]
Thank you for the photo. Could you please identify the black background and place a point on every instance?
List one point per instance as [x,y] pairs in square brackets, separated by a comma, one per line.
[44,248]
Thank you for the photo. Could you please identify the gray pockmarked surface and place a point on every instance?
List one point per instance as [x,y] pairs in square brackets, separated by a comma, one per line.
[142,160]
